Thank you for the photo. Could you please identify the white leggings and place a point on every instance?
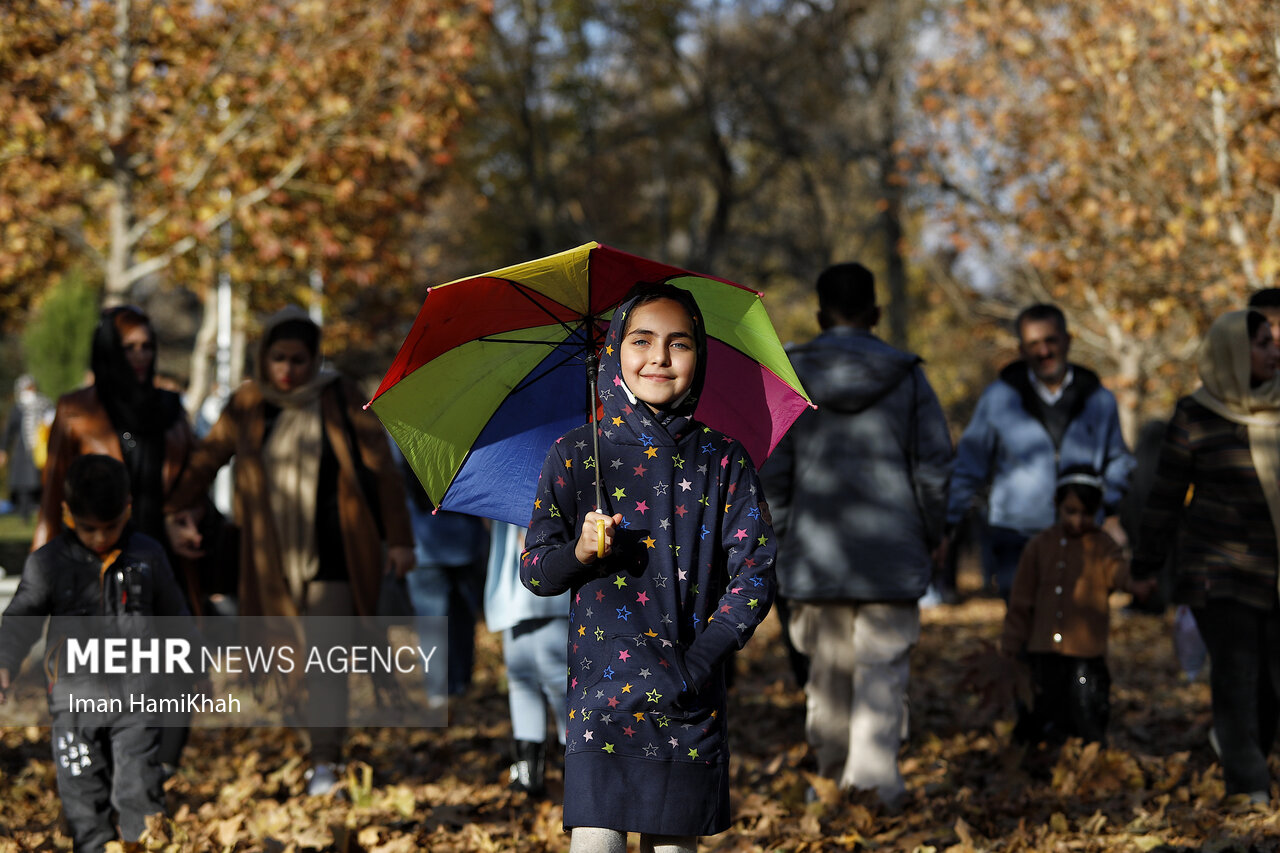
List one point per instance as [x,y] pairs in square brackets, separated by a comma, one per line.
[593,839]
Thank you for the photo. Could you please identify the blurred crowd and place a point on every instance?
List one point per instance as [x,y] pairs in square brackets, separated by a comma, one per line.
[870,500]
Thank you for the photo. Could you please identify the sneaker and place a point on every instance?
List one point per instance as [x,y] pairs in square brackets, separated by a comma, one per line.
[1260,797]
[1213,742]
[321,779]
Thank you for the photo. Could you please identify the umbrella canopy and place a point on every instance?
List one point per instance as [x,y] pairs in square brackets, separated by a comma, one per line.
[494,371]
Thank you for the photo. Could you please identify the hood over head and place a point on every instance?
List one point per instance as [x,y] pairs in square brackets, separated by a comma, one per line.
[1224,363]
[292,322]
[133,405]
[621,408]
[847,370]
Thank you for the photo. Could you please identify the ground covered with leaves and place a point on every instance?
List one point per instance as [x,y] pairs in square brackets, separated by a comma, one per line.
[1155,788]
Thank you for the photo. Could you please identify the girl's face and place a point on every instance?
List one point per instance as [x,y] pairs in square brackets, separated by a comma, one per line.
[289,364]
[1263,355]
[1073,516]
[139,350]
[659,354]
[183,530]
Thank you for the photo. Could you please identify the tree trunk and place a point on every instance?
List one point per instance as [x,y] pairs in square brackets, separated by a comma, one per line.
[895,264]
[115,281]
[120,211]
[202,353]
[1129,382]
[239,335]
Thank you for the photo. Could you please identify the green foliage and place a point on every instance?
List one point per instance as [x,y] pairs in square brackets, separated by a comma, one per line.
[58,339]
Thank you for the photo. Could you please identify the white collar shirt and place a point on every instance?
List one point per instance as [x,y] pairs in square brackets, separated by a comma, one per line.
[1042,390]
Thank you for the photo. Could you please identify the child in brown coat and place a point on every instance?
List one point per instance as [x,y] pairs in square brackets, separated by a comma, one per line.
[1058,617]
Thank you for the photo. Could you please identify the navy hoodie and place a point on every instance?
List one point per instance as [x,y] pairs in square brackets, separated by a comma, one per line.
[651,625]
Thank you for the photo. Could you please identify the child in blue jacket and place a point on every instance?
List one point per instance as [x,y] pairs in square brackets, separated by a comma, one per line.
[687,575]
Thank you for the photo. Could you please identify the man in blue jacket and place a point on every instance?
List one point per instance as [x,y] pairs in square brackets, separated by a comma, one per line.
[858,492]
[1042,415]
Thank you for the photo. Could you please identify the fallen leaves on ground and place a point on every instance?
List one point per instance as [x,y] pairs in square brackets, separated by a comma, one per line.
[1154,787]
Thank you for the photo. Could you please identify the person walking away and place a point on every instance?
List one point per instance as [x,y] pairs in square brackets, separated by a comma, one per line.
[316,496]
[1059,617]
[1223,444]
[446,585]
[858,492]
[25,445]
[533,649]
[685,578]
[1042,415]
[97,572]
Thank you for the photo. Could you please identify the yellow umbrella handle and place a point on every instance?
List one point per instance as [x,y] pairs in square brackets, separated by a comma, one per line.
[600,537]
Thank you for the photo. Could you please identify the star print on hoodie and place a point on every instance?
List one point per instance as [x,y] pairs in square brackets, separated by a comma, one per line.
[690,578]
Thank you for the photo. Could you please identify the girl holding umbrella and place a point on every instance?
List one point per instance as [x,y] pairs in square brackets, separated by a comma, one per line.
[670,571]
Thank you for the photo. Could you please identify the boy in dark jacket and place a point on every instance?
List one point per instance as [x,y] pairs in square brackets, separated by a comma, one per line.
[96,579]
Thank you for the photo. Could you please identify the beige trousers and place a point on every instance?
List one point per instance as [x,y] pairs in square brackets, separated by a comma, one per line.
[855,699]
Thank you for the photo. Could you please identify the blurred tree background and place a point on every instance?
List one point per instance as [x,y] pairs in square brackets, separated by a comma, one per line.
[977,154]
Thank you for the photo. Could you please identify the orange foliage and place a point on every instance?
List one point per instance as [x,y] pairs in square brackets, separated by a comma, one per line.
[1127,151]
[133,131]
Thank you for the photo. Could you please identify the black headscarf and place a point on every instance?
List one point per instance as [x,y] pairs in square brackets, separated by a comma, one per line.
[140,413]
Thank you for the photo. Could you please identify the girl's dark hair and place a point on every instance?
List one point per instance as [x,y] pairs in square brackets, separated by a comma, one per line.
[97,487]
[650,291]
[1255,320]
[1090,496]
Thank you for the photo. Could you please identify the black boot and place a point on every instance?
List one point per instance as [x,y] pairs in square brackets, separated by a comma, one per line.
[529,767]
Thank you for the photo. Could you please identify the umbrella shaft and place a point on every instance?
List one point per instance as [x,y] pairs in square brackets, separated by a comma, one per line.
[593,367]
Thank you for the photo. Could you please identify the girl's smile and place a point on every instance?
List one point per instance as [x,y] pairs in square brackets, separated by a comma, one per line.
[659,354]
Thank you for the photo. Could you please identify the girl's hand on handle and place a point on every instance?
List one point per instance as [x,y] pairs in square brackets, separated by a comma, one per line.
[596,540]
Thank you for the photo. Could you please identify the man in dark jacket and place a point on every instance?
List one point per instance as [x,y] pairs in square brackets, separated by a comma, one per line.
[858,491]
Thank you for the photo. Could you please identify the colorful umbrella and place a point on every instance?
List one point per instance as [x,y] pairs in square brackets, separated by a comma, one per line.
[494,371]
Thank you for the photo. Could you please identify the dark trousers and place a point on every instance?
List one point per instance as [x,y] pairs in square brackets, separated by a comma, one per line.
[26,502]
[101,768]
[173,740]
[1004,544]
[1244,677]
[798,661]
[1072,698]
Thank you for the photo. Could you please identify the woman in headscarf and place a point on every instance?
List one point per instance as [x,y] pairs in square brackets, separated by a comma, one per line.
[315,487]
[122,414]
[1223,443]
[22,436]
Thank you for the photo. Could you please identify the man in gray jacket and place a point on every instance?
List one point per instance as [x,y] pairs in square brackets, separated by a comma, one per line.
[858,492]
